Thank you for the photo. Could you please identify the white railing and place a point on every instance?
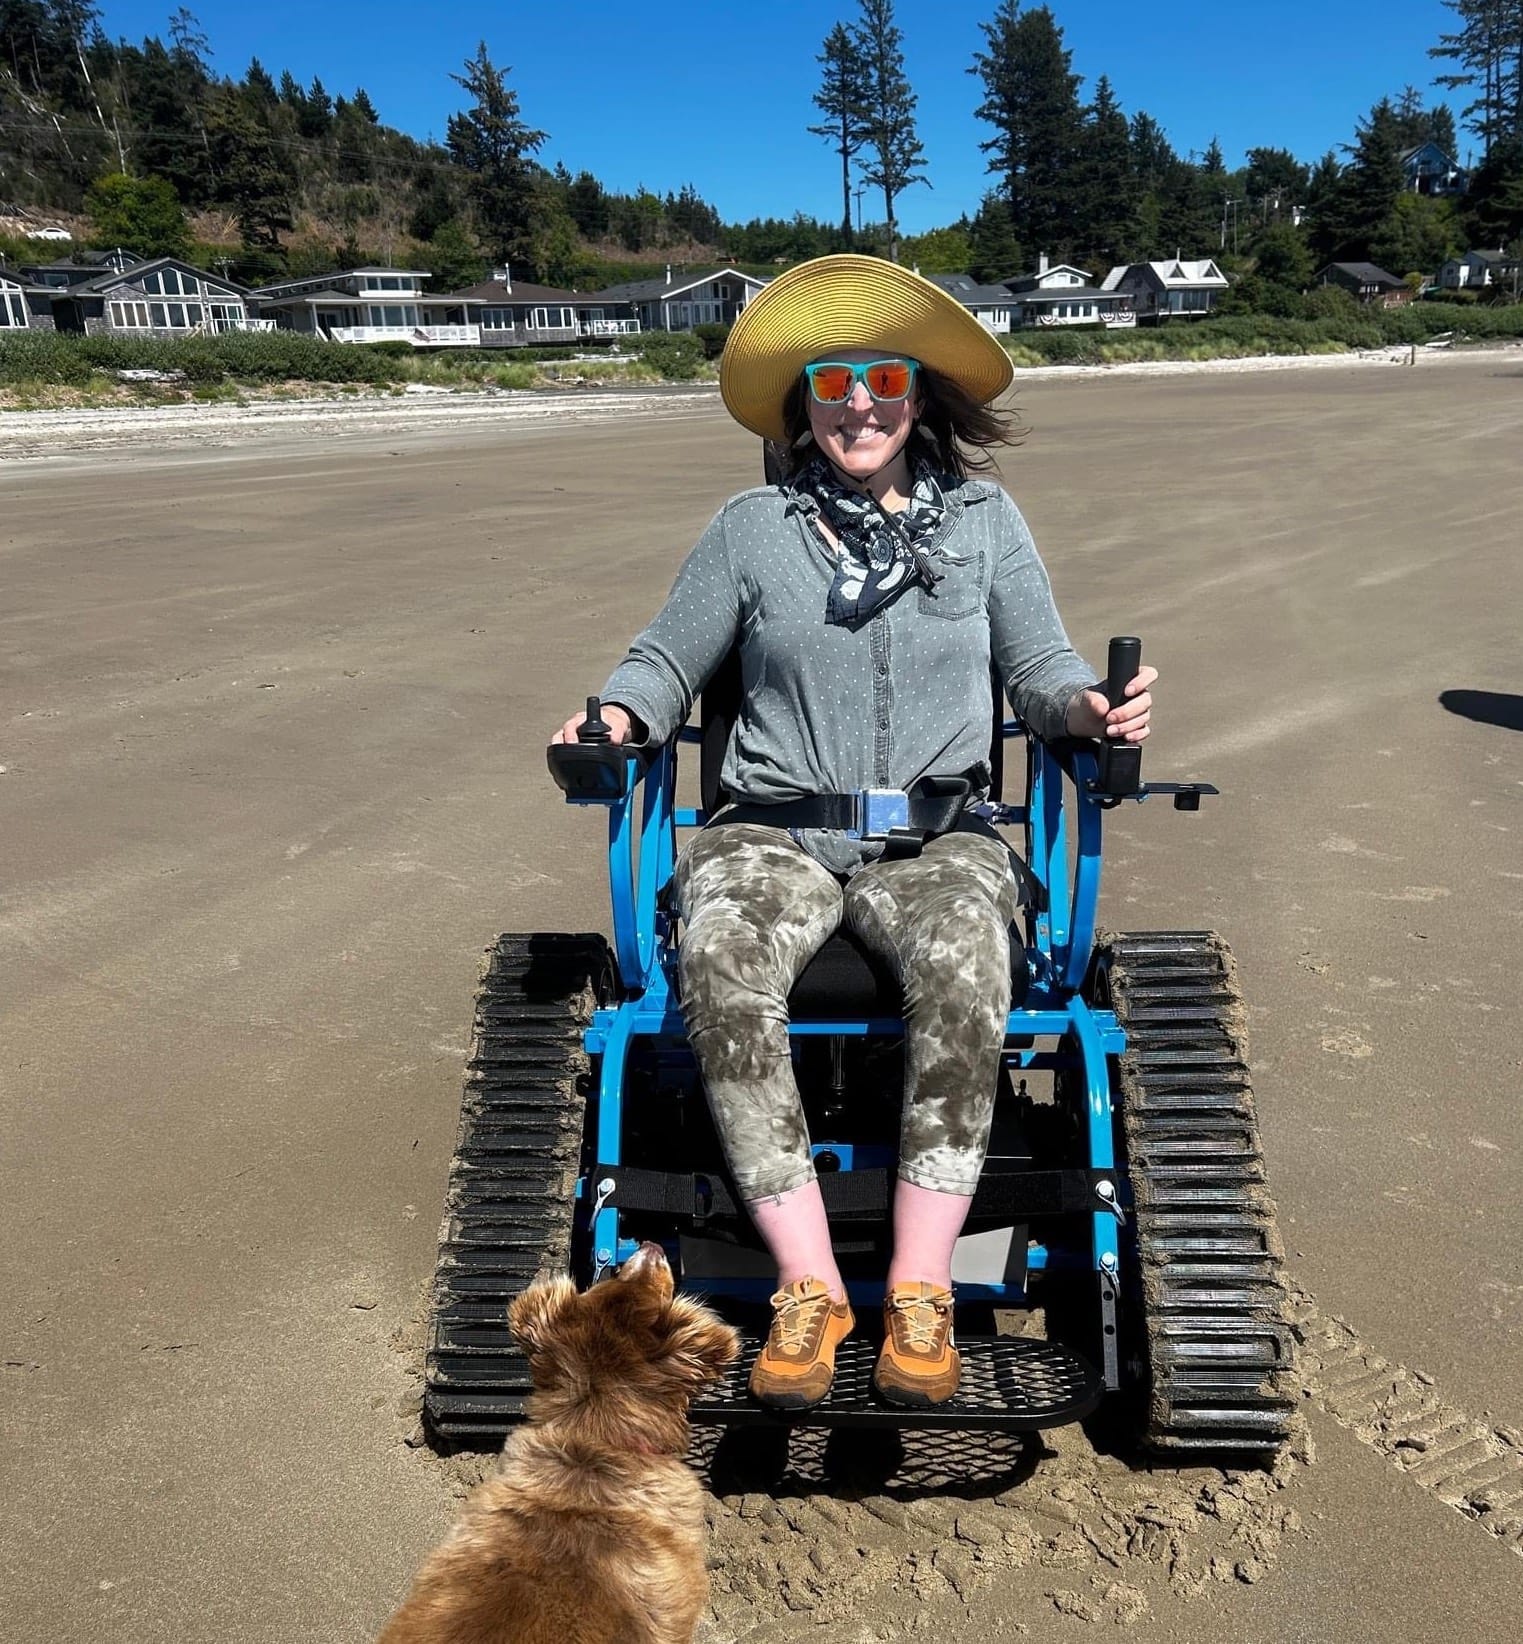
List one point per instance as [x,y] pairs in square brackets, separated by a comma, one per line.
[608,328]
[420,336]
[216,326]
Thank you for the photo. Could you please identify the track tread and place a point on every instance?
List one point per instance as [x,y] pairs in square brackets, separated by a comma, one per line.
[1209,1257]
[510,1200]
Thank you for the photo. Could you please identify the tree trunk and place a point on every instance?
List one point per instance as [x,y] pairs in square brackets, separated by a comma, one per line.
[846,236]
[893,227]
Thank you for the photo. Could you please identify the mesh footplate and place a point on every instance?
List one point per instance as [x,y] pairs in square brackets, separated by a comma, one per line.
[1009,1383]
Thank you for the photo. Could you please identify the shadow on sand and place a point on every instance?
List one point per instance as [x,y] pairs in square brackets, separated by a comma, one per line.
[1485,707]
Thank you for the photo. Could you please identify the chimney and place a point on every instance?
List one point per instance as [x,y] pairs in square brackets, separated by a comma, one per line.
[503,275]
[668,273]
[1041,265]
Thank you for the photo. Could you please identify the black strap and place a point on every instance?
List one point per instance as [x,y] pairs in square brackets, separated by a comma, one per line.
[1002,1197]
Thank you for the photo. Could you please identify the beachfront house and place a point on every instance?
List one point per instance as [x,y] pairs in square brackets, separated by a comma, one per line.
[141,297]
[1366,283]
[1060,294]
[990,305]
[1477,270]
[1173,289]
[363,305]
[517,314]
[681,301]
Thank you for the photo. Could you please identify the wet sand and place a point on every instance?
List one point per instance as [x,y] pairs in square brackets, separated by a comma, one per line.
[271,719]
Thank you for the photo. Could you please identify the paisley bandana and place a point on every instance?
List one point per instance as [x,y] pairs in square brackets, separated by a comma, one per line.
[881,554]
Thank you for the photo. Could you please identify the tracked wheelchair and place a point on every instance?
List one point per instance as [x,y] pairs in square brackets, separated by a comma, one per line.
[1123,1201]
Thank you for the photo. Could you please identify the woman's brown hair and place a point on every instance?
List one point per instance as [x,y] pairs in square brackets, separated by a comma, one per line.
[954,432]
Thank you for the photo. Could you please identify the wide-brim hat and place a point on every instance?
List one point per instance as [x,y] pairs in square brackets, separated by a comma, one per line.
[847,301]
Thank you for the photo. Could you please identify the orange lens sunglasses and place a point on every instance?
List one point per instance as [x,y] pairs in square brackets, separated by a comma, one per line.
[833,381]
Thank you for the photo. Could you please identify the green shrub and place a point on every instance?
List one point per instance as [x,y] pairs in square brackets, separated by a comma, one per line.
[675,354]
[712,335]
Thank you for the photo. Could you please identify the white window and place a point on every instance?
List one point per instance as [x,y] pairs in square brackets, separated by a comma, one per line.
[130,316]
[12,308]
[496,319]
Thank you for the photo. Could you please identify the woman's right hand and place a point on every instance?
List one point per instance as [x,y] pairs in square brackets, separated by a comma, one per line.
[616,718]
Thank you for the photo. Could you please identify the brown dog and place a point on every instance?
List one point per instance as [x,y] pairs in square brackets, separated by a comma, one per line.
[591,1531]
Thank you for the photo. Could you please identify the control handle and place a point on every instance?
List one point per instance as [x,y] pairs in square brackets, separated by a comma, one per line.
[1121,762]
[1121,664]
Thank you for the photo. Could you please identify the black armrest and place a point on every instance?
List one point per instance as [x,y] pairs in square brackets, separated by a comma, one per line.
[597,770]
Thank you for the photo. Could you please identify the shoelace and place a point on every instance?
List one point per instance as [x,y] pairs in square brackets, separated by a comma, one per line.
[795,1318]
[920,1317]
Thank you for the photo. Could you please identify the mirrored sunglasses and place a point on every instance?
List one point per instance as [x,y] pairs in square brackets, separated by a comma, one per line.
[832,382]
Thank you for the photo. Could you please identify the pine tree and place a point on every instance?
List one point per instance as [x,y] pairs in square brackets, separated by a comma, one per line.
[1032,101]
[493,146]
[888,124]
[1354,211]
[1103,185]
[1489,47]
[996,253]
[843,100]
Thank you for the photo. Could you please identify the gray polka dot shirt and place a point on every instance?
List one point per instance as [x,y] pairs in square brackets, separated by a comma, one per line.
[828,709]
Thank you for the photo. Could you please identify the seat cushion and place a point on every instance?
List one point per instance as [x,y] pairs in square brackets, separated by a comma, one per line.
[844,979]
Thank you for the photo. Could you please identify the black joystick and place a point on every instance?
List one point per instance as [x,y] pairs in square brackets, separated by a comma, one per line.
[1121,762]
[594,728]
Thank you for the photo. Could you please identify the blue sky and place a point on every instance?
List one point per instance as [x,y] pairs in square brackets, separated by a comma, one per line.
[723,101]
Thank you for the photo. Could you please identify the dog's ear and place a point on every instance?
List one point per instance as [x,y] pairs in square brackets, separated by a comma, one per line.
[699,1346]
[532,1316]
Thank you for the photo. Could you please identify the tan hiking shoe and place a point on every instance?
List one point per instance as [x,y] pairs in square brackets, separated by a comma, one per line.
[918,1364]
[795,1367]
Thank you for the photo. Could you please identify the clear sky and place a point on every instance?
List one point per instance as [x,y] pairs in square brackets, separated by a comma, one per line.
[718,93]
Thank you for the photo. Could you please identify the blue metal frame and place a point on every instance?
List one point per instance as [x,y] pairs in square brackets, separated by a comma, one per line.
[1060,944]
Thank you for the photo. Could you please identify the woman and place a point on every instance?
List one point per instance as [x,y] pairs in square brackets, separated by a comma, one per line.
[867,595]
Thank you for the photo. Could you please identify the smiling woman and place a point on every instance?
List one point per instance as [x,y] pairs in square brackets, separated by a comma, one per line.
[874,386]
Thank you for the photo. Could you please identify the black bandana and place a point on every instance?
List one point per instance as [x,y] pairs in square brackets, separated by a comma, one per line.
[880,554]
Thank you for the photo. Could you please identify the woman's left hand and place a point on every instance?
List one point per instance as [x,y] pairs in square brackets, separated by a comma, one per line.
[1090,714]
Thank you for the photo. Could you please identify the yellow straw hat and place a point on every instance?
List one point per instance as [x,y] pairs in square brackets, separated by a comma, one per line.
[843,302]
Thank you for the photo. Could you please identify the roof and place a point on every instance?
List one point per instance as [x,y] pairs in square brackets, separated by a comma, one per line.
[339,274]
[1489,257]
[519,291]
[1065,293]
[1366,272]
[1036,276]
[969,292]
[636,291]
[112,278]
[1172,272]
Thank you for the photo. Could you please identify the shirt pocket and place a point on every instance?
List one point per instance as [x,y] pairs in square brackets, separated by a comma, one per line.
[959,594]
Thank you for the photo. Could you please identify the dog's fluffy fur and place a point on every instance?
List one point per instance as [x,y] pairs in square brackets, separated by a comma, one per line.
[591,1531]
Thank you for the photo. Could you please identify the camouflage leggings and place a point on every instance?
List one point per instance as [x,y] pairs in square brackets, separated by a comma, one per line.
[757,909]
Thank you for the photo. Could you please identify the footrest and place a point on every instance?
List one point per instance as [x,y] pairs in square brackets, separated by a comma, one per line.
[1009,1383]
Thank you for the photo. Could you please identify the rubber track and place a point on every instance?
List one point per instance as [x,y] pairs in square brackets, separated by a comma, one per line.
[1210,1261]
[508,1215]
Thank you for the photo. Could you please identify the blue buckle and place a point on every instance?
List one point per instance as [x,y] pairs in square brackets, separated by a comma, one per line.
[881,810]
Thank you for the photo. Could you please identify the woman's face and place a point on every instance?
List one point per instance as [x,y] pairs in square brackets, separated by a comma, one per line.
[862,436]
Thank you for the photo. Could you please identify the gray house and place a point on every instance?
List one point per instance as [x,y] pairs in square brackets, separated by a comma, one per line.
[156,297]
[1173,289]
[679,302]
[990,305]
[516,313]
[361,305]
[1426,169]
[1367,283]
[1060,294]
